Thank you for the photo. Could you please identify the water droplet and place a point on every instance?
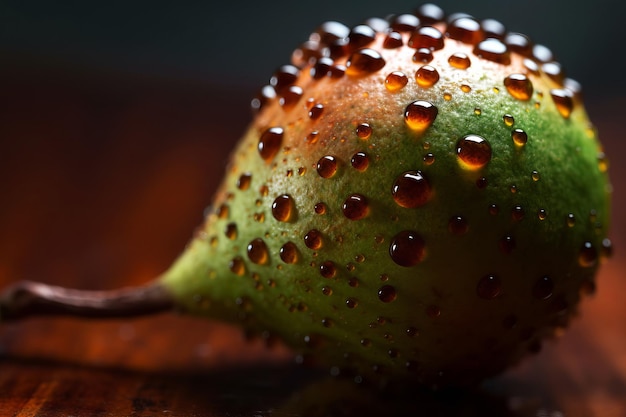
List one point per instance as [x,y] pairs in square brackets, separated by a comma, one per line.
[563,100]
[429,158]
[433,311]
[270,142]
[603,162]
[477,111]
[519,86]
[387,294]
[419,115]
[327,290]
[607,248]
[482,183]
[459,60]
[411,189]
[327,166]
[258,252]
[404,22]
[507,244]
[351,302]
[284,77]
[353,282]
[364,61]
[320,208]
[360,36]
[355,207]
[316,111]
[466,88]
[508,120]
[430,13]
[313,239]
[519,43]
[447,96]
[426,37]
[513,189]
[457,225]
[364,131]
[396,81]
[474,151]
[393,40]
[289,253]
[519,137]
[535,176]
[543,287]
[426,76]
[542,53]
[237,266]
[231,231]
[290,96]
[493,50]
[328,269]
[588,256]
[493,28]
[466,30]
[282,208]
[223,211]
[489,287]
[412,332]
[542,214]
[493,209]
[423,55]
[407,248]
[243,183]
[570,220]
[360,161]
[517,213]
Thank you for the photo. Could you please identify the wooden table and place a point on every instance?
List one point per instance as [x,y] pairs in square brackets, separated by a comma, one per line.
[102,181]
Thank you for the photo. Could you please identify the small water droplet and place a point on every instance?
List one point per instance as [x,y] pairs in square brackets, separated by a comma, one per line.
[426,76]
[466,88]
[313,239]
[513,189]
[508,120]
[316,111]
[231,231]
[489,287]
[351,302]
[411,189]
[426,37]
[588,256]
[419,115]
[364,131]
[320,208]
[493,209]
[542,214]
[360,161]
[387,294]
[493,50]
[270,142]
[284,77]
[353,282]
[328,269]
[517,213]
[243,183]
[327,166]
[535,176]
[603,162]
[290,96]
[447,96]
[466,30]
[289,253]
[237,266]
[396,81]
[364,61]
[543,287]
[412,332]
[283,207]
[570,220]
[563,99]
[519,137]
[258,252]
[519,86]
[607,248]
[457,225]
[407,248]
[393,40]
[474,151]
[477,111]
[459,60]
[355,207]
[507,244]
[433,311]
[429,158]
[423,55]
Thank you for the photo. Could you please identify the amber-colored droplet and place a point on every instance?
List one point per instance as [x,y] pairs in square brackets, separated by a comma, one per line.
[426,76]
[364,131]
[237,266]
[507,244]
[542,53]
[419,115]
[313,239]
[412,332]
[493,28]
[270,142]
[320,208]
[404,22]
[407,248]
[588,255]
[482,183]
[430,13]
[364,61]
[535,176]
[563,100]
[489,287]
[542,214]
[423,55]
[360,36]
[258,252]
[284,77]
[231,231]
[393,40]
[493,209]
[474,151]
[283,207]
[607,248]
[465,29]
[387,294]
[328,269]
[570,220]
[457,225]
[355,207]
[243,183]
[459,60]
[327,290]
[426,37]
[517,213]
[429,158]
[447,96]
[493,50]
[543,287]
[316,111]
[519,137]
[519,86]
[262,98]
[603,162]
[396,81]
[327,166]
[508,120]
[433,311]
[360,161]
[466,88]
[289,253]
[351,302]
[290,96]
[519,43]
[411,189]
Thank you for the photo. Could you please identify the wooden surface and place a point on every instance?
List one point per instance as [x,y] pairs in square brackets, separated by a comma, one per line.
[102,181]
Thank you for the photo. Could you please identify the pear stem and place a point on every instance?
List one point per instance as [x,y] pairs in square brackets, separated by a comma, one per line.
[27,298]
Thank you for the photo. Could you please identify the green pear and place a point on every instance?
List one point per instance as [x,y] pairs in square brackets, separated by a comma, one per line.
[415,199]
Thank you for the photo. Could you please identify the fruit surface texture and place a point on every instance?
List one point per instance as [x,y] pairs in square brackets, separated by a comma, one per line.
[419,197]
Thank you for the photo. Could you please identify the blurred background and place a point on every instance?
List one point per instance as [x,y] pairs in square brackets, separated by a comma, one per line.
[116,119]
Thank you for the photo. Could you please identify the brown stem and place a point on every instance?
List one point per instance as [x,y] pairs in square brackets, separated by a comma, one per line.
[28,298]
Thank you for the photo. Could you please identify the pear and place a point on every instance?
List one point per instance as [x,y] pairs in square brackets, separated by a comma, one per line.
[415,199]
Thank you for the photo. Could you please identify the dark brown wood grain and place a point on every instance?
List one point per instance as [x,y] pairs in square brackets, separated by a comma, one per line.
[102,181]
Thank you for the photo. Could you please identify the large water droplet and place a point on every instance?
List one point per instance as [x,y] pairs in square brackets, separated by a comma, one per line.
[282,208]
[519,137]
[360,161]
[474,151]
[493,50]
[355,207]
[426,76]
[328,269]
[258,252]
[519,86]
[426,37]
[270,142]
[327,166]
[396,81]
[289,253]
[459,60]
[588,255]
[563,100]
[313,239]
[364,61]
[364,131]
[407,248]
[411,189]
[237,266]
[393,40]
[419,115]
[387,294]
